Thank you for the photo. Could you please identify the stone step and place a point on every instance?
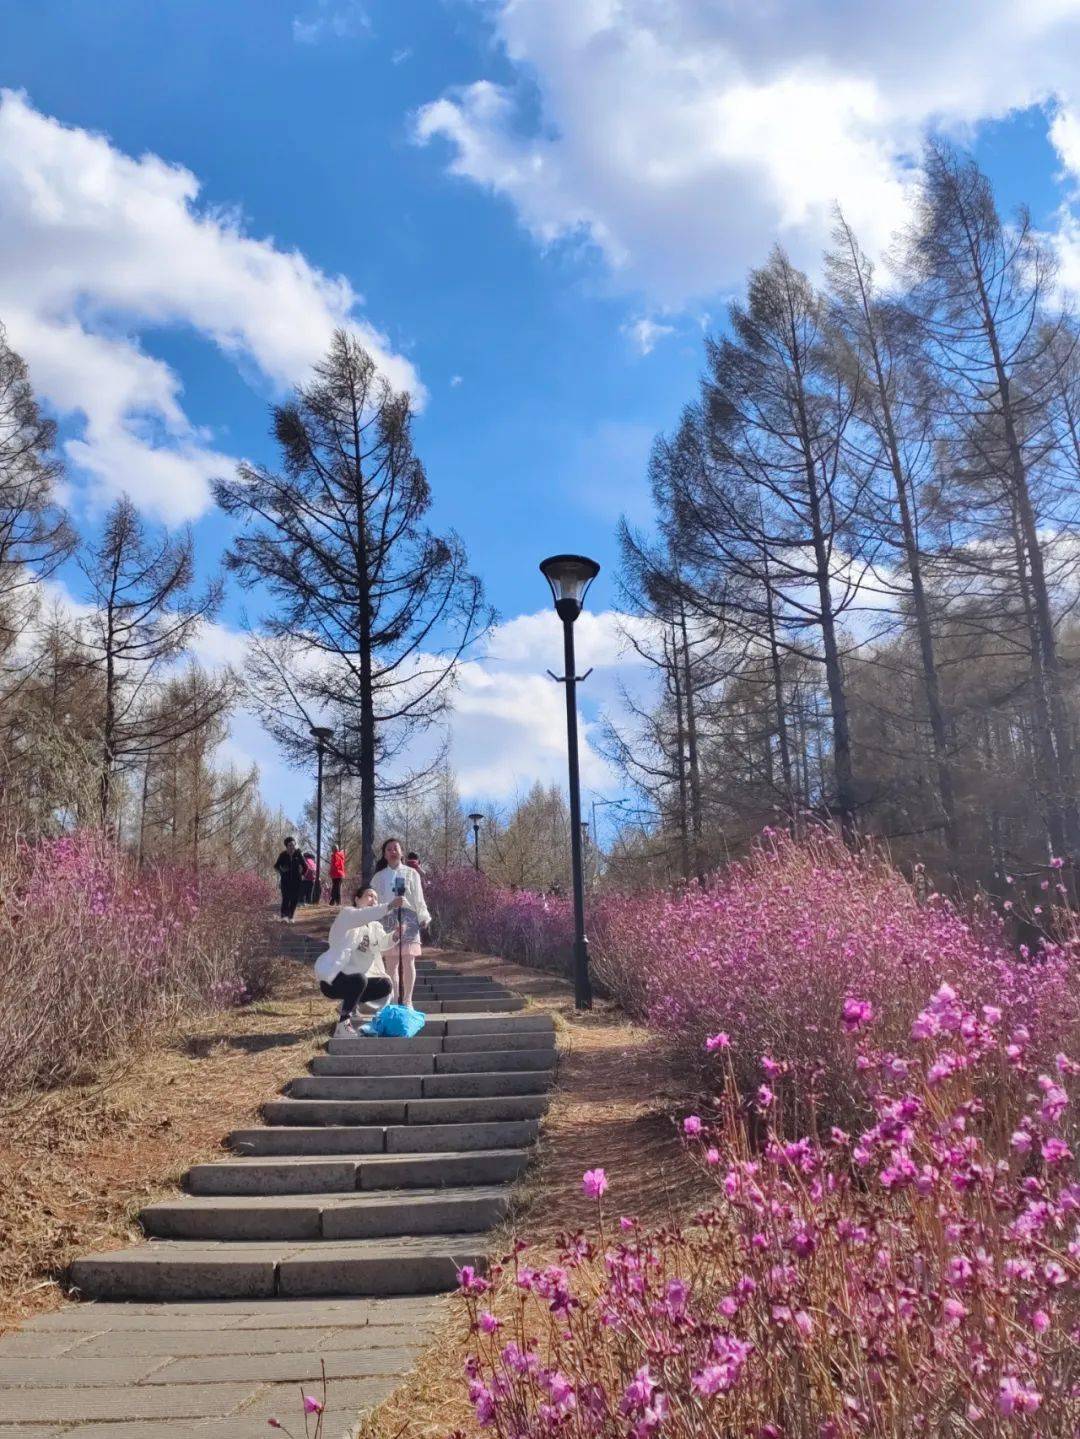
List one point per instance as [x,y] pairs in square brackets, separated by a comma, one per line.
[340,1173]
[510,1005]
[437,984]
[310,1217]
[166,1270]
[442,1043]
[455,1026]
[480,999]
[479,1021]
[404,1111]
[419,1086]
[497,1061]
[499,1041]
[469,1006]
[492,1061]
[461,989]
[440,976]
[394,1139]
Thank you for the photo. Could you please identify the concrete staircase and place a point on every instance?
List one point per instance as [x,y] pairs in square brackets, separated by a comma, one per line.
[379,1173]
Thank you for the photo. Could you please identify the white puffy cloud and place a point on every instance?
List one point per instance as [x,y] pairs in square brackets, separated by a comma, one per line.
[647,333]
[679,140]
[509,724]
[97,248]
[331,19]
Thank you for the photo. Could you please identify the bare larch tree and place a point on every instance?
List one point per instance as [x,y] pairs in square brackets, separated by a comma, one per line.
[371,612]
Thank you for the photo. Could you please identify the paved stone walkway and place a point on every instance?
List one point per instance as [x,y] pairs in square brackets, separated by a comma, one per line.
[323,1237]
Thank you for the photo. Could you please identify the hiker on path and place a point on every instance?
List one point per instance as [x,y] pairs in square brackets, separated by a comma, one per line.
[392,876]
[290,871]
[308,891]
[412,859]
[337,873]
[351,968]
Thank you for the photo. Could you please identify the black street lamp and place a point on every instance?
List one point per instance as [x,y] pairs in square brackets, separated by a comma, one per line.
[570,577]
[321,735]
[476,818]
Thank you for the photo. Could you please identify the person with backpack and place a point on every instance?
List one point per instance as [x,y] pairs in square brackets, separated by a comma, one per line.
[308,895]
[289,867]
[337,873]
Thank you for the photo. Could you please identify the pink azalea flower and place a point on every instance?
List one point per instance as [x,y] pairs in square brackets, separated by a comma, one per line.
[594,1183]
[1013,1398]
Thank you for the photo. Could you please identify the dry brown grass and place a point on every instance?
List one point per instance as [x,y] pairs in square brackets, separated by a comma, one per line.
[77,1164]
[612,1109]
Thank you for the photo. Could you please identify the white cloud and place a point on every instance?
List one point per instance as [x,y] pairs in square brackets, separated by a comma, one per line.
[400,56]
[509,723]
[508,726]
[98,248]
[331,19]
[646,333]
[456,380]
[679,140]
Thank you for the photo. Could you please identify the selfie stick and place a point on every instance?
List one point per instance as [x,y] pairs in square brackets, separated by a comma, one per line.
[399,889]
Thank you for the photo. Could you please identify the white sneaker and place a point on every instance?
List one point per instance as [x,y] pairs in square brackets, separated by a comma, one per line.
[345,1029]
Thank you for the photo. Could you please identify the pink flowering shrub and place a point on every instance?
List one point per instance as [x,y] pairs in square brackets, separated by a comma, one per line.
[95,952]
[772,951]
[918,1277]
[803,936]
[472,912]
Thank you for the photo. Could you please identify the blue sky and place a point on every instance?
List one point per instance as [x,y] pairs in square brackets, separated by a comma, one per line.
[536,206]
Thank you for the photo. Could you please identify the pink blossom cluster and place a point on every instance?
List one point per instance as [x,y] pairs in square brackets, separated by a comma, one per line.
[773,953]
[918,1275]
[95,950]
[472,912]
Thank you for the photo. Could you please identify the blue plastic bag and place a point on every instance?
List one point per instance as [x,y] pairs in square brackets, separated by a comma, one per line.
[394,1021]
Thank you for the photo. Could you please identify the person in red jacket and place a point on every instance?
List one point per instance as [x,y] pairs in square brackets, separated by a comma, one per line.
[337,874]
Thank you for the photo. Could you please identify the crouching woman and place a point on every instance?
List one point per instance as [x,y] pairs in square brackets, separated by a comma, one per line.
[351,969]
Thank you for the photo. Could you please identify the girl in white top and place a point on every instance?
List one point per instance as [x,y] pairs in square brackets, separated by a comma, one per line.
[387,880]
[351,968]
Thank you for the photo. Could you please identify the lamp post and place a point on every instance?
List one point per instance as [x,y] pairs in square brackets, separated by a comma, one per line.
[476,818]
[321,735]
[570,577]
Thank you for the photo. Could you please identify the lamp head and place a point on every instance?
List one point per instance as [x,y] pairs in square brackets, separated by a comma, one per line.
[321,733]
[569,577]
[476,818]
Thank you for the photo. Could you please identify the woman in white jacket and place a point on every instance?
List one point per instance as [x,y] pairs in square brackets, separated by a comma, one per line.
[351,968]
[391,878]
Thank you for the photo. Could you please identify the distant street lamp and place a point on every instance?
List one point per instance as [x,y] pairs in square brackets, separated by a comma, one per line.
[476,818]
[570,577]
[321,735]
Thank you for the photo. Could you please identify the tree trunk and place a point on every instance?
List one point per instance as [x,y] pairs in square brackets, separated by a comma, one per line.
[680,760]
[692,751]
[1044,638]
[779,701]
[834,674]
